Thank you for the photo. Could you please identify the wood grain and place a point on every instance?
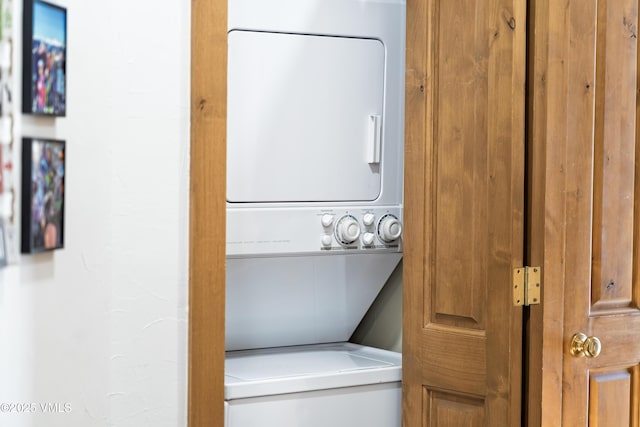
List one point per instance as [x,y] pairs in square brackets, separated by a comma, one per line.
[614,168]
[545,242]
[583,163]
[207,213]
[417,115]
[451,410]
[601,137]
[464,198]
[605,388]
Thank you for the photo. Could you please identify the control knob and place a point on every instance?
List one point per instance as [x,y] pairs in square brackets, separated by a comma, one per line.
[367,239]
[347,230]
[389,228]
[327,220]
[368,219]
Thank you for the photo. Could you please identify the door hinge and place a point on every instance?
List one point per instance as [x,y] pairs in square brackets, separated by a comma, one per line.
[526,286]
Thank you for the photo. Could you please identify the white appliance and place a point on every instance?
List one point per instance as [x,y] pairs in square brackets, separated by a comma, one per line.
[314,208]
[319,385]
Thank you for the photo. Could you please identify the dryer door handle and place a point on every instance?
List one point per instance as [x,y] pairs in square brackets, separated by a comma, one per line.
[373,139]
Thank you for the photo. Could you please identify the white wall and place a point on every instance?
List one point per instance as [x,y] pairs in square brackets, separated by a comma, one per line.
[101,325]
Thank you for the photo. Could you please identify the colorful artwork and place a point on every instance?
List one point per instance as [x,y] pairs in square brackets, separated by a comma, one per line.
[8,192]
[6,174]
[1,172]
[6,19]
[3,246]
[45,39]
[43,195]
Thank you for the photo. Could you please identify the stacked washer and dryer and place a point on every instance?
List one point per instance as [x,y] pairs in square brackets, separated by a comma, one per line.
[314,209]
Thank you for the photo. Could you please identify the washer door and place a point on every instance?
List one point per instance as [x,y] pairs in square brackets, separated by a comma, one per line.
[305,117]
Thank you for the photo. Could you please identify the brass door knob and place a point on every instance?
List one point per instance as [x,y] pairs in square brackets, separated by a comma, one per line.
[582,345]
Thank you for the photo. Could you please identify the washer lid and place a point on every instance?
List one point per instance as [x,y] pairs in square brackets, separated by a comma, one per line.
[253,373]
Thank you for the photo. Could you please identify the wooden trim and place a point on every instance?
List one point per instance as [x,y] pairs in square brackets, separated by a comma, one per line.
[536,60]
[417,115]
[207,212]
[545,241]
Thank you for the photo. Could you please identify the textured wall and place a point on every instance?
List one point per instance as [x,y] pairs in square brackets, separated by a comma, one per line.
[101,325]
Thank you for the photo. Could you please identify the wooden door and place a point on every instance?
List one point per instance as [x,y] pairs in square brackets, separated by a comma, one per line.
[464,186]
[585,186]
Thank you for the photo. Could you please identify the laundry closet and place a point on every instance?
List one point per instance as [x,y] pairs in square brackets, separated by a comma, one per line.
[315,96]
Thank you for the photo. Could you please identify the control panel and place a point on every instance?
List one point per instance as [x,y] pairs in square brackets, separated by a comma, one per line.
[365,232]
[273,231]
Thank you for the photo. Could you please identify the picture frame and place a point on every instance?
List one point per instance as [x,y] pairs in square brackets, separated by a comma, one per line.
[44,53]
[43,194]
[1,171]
[3,246]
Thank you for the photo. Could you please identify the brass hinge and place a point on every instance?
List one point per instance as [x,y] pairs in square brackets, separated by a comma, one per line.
[526,286]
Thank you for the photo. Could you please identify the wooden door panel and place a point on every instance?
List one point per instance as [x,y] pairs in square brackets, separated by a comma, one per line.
[618,338]
[602,209]
[610,397]
[464,183]
[460,131]
[615,142]
[448,410]
[454,353]
[588,190]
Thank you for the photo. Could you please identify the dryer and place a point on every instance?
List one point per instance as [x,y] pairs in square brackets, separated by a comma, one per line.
[314,197]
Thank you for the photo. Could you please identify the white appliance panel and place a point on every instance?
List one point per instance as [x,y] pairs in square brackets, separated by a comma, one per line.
[282,370]
[305,117]
[305,230]
[271,366]
[280,301]
[339,384]
[378,405]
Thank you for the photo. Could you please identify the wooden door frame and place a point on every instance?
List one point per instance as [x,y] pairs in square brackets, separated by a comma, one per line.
[207,208]
[207,217]
[547,126]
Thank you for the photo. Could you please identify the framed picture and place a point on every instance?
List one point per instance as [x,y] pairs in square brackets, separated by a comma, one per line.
[3,246]
[44,59]
[1,171]
[43,174]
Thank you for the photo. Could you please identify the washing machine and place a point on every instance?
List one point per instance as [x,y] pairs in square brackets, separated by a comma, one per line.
[314,208]
[317,385]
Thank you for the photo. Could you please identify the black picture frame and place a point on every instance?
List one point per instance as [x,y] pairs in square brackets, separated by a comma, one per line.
[44,53]
[43,194]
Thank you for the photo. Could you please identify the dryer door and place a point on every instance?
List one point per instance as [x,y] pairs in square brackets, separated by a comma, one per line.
[305,117]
